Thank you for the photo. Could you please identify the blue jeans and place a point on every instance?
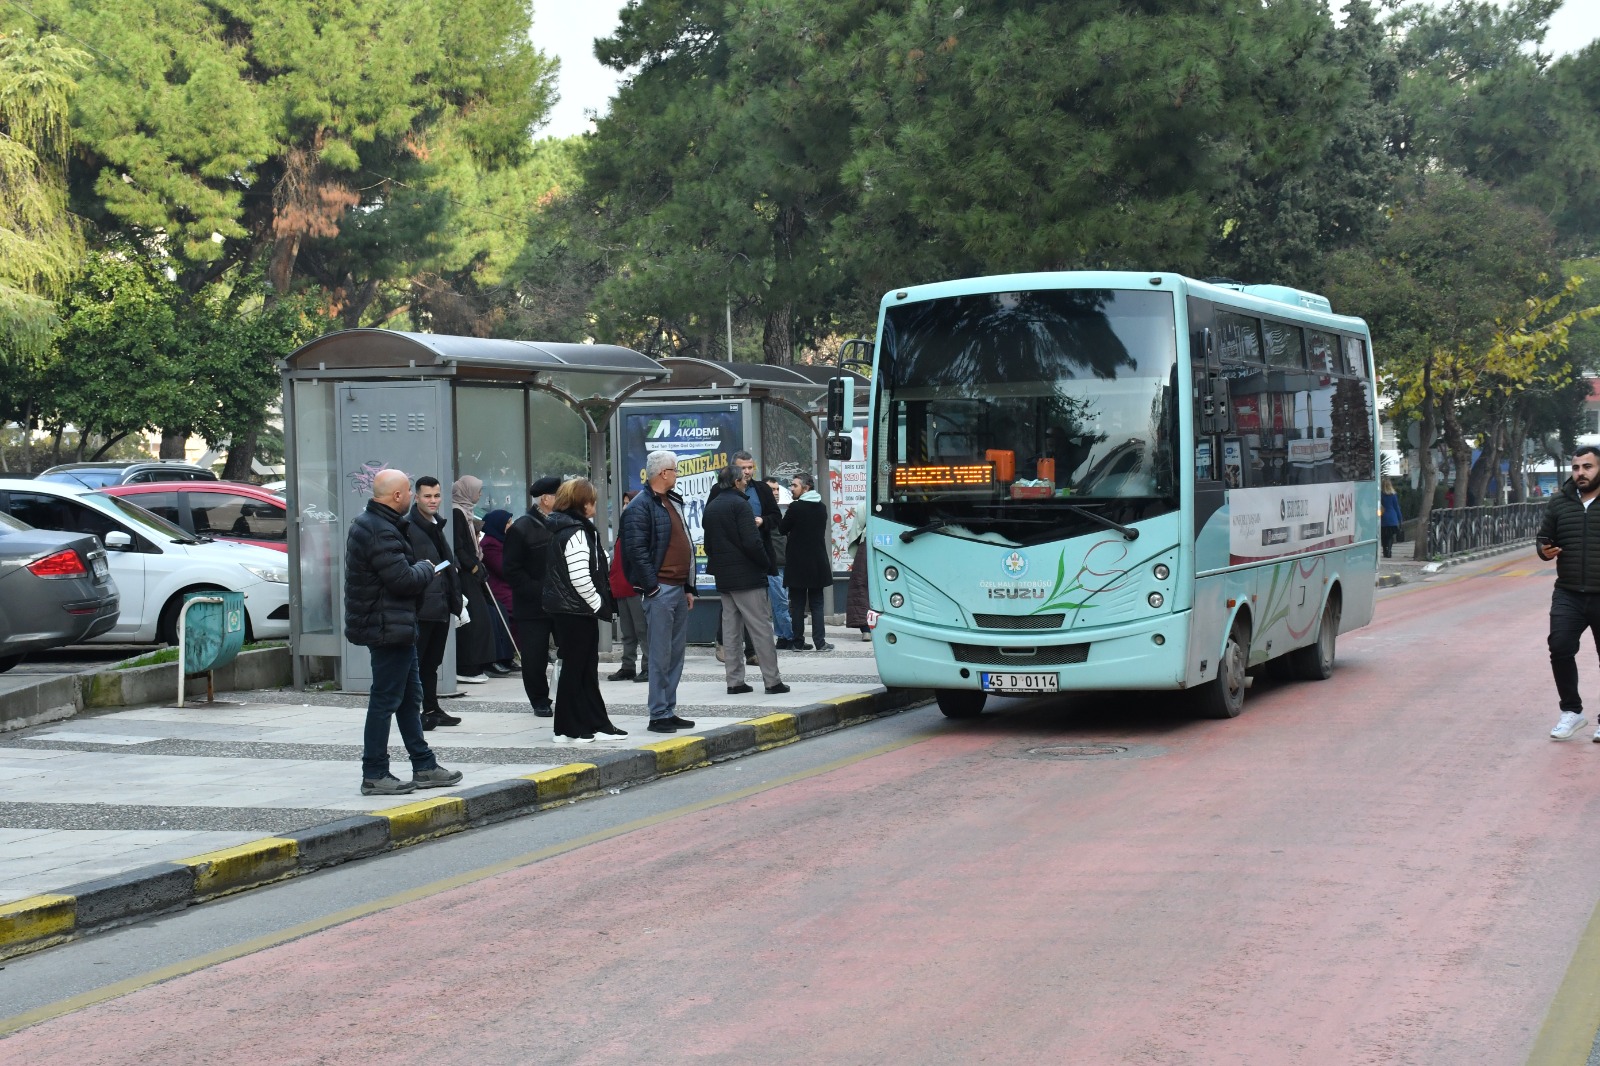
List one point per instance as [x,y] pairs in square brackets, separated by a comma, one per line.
[782,628]
[396,693]
[666,623]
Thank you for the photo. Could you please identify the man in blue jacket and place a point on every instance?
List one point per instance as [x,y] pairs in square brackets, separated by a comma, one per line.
[658,560]
[383,588]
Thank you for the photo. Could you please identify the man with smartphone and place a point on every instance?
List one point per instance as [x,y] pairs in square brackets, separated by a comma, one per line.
[1570,534]
[441,601]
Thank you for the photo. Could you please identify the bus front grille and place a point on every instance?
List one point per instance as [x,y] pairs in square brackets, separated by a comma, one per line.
[1019,621]
[1044,655]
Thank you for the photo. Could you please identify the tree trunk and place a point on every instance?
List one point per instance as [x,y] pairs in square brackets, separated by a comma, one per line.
[777,337]
[240,452]
[360,299]
[1460,451]
[1427,431]
[1487,466]
[99,453]
[172,445]
[1515,450]
[285,250]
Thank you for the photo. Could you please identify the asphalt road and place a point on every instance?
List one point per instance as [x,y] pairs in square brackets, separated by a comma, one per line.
[1393,866]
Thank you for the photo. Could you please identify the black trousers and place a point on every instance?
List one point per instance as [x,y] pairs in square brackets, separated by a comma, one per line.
[431,639]
[799,600]
[1570,614]
[534,634]
[1389,534]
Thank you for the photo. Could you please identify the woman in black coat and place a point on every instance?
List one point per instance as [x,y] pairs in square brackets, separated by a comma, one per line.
[577,595]
[808,570]
[475,640]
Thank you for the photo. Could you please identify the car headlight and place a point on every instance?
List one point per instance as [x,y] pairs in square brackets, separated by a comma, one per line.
[275,574]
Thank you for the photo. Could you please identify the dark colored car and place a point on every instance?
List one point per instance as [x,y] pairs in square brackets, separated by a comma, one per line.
[55,590]
[226,510]
[100,475]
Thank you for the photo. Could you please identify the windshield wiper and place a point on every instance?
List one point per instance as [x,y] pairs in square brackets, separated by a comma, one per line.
[1126,531]
[912,534]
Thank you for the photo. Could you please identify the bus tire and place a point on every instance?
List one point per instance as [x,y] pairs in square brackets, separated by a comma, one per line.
[1314,662]
[1223,697]
[960,702]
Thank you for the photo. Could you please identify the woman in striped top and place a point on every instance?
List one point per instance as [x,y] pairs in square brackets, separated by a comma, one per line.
[577,597]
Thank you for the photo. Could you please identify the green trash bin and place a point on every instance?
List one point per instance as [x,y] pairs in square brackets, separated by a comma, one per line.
[213,630]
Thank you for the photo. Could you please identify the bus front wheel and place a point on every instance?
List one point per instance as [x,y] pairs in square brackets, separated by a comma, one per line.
[960,702]
[1223,697]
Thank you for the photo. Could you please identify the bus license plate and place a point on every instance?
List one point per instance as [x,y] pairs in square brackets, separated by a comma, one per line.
[1011,684]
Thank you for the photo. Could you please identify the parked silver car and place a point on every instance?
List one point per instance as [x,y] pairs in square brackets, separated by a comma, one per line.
[55,589]
[100,475]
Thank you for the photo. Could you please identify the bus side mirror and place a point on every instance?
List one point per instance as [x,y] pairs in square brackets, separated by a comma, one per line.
[841,405]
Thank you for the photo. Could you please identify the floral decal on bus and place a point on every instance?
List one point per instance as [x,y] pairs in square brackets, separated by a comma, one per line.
[1100,571]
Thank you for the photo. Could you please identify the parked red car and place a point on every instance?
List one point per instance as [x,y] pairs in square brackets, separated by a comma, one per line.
[226,510]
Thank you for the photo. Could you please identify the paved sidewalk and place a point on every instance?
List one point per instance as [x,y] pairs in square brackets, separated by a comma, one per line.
[102,794]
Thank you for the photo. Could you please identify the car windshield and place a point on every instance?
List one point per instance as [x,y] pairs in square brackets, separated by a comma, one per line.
[1011,413]
[149,524]
[89,477]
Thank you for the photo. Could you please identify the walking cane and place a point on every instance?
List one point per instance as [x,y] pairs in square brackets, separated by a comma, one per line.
[516,653]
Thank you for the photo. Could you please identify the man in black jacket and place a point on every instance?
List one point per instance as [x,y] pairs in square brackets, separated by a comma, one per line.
[527,546]
[383,584]
[1570,535]
[737,558]
[442,599]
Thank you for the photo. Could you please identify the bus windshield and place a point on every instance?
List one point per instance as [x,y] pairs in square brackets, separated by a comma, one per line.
[1008,415]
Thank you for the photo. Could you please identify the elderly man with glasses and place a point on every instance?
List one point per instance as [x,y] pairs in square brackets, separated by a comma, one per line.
[658,561]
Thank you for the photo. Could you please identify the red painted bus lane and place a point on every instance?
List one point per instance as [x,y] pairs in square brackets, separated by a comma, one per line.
[1390,867]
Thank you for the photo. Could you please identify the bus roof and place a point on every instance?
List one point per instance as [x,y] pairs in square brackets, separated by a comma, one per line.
[1264,299]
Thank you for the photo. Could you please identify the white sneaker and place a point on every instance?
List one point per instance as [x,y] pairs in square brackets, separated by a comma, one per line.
[471,679]
[1597,736]
[1571,722]
[559,739]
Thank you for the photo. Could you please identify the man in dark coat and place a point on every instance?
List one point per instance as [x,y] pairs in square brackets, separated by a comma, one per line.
[740,562]
[658,560]
[526,552]
[808,570]
[1570,534]
[383,585]
[442,599]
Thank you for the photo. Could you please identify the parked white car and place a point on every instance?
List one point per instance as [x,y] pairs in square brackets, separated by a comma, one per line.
[155,562]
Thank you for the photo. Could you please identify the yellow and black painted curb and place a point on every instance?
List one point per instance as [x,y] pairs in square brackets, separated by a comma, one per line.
[53,918]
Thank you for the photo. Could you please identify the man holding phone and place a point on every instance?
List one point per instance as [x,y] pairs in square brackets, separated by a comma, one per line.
[430,540]
[1570,534]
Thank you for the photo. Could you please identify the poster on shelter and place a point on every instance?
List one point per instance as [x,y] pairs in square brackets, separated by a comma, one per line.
[847,484]
[704,440]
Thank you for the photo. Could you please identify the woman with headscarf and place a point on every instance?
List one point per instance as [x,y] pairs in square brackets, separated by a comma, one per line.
[577,596]
[475,639]
[494,546]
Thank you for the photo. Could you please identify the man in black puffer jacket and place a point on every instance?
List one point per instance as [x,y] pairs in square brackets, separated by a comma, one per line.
[524,562]
[441,601]
[383,587]
[739,560]
[1570,535]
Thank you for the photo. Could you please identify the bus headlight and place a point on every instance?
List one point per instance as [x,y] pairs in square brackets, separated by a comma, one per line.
[897,600]
[1162,573]
[891,573]
[1156,599]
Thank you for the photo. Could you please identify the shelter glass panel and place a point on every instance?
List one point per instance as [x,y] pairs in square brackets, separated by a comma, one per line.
[559,441]
[316,503]
[491,444]
[787,444]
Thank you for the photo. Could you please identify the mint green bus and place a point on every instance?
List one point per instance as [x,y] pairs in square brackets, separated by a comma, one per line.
[1096,481]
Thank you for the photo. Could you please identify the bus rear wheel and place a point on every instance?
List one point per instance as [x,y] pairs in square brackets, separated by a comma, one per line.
[1314,662]
[960,702]
[1223,697]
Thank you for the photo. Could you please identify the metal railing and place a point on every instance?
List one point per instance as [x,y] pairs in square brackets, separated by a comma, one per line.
[1463,529]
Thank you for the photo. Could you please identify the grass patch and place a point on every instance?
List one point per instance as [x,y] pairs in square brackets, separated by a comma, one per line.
[170,655]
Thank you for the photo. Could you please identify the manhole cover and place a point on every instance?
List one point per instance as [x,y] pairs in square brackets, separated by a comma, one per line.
[1080,751]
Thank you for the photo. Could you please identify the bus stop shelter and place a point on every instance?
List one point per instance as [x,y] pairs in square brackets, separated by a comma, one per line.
[363,400]
[705,412]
